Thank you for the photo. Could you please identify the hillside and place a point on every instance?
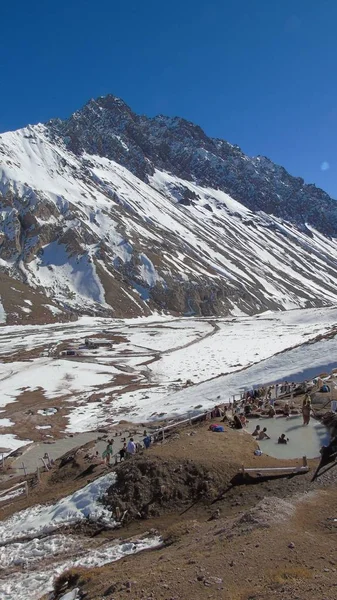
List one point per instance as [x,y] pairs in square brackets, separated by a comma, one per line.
[116,214]
[204,527]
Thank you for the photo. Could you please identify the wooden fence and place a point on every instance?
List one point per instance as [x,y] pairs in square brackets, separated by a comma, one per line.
[23,485]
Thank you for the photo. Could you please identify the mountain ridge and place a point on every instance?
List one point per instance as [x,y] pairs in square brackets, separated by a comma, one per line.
[117,214]
[229,176]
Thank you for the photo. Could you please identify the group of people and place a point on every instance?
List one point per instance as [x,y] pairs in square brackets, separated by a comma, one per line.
[263,406]
[260,400]
[261,434]
[127,450]
[266,392]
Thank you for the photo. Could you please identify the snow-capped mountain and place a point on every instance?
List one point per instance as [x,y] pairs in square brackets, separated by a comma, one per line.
[121,214]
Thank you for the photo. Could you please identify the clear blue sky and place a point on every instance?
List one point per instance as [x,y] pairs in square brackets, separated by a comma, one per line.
[259,73]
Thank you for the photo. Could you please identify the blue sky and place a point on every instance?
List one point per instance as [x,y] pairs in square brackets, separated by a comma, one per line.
[259,73]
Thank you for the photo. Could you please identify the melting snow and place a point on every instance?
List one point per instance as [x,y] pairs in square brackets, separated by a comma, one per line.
[162,353]
[55,378]
[44,519]
[34,584]
[6,423]
[53,309]
[10,441]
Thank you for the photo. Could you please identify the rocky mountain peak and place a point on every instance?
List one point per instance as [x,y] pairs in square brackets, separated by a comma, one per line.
[108,127]
[118,213]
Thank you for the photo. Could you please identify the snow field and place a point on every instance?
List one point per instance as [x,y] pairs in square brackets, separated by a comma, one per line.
[54,378]
[161,355]
[275,368]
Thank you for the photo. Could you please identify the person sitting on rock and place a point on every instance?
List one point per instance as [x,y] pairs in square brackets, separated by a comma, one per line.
[282,439]
[225,416]
[247,409]
[256,431]
[263,434]
[236,422]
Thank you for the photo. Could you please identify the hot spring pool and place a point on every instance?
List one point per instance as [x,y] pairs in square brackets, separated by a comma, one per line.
[303,440]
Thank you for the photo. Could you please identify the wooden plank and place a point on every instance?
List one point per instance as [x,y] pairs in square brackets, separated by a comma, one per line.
[14,487]
[44,463]
[293,469]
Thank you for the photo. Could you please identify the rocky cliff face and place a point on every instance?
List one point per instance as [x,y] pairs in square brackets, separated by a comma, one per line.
[108,127]
[113,213]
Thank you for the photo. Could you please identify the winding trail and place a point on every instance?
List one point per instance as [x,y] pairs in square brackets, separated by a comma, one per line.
[158,355]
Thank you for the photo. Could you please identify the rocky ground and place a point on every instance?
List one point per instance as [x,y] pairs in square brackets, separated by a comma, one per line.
[279,548]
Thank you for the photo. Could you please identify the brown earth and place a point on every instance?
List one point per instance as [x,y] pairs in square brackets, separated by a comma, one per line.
[195,465]
[13,294]
[236,540]
[278,550]
[23,410]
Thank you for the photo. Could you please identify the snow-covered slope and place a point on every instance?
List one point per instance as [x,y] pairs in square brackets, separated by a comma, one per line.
[95,237]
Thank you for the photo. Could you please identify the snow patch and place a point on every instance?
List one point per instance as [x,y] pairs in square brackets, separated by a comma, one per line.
[34,584]
[11,442]
[6,423]
[63,274]
[3,316]
[26,310]
[53,309]
[80,505]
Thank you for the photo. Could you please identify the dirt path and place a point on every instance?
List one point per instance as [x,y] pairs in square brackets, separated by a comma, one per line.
[32,455]
[158,355]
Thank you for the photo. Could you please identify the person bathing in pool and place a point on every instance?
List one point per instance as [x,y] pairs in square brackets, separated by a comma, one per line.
[256,431]
[263,435]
